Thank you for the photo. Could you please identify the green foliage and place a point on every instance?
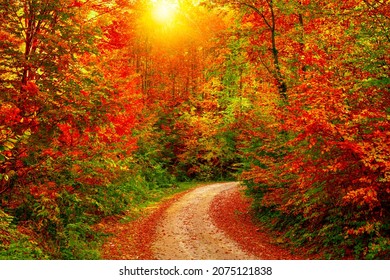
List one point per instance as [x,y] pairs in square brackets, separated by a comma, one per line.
[13,244]
[323,232]
[65,226]
[153,173]
[66,223]
[80,242]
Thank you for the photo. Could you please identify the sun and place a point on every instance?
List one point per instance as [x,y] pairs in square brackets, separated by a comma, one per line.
[164,10]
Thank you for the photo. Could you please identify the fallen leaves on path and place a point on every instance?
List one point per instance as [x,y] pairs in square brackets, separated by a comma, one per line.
[230,212]
[133,240]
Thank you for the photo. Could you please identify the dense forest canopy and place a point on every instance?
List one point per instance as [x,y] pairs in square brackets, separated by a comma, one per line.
[104,102]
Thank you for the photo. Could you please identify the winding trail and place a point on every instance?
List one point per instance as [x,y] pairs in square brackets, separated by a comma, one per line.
[187,232]
[210,222]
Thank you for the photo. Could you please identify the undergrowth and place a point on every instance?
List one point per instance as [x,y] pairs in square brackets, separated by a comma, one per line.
[62,227]
[321,234]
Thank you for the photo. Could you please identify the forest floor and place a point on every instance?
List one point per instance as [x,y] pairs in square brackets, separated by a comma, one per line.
[209,222]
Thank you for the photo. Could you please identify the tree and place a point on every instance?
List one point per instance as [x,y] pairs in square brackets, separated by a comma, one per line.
[330,177]
[65,126]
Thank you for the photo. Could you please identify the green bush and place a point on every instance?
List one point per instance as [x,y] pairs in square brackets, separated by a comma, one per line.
[15,245]
[323,229]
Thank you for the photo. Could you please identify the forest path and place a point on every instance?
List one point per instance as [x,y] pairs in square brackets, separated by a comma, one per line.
[187,231]
[208,222]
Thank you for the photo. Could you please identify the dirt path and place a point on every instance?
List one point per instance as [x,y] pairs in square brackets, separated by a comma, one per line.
[187,231]
[209,222]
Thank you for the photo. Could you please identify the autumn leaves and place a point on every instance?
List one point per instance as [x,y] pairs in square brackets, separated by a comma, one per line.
[292,93]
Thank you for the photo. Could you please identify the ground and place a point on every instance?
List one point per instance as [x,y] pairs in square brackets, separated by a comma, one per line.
[209,222]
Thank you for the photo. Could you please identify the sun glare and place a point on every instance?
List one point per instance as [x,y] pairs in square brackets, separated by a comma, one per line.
[164,10]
